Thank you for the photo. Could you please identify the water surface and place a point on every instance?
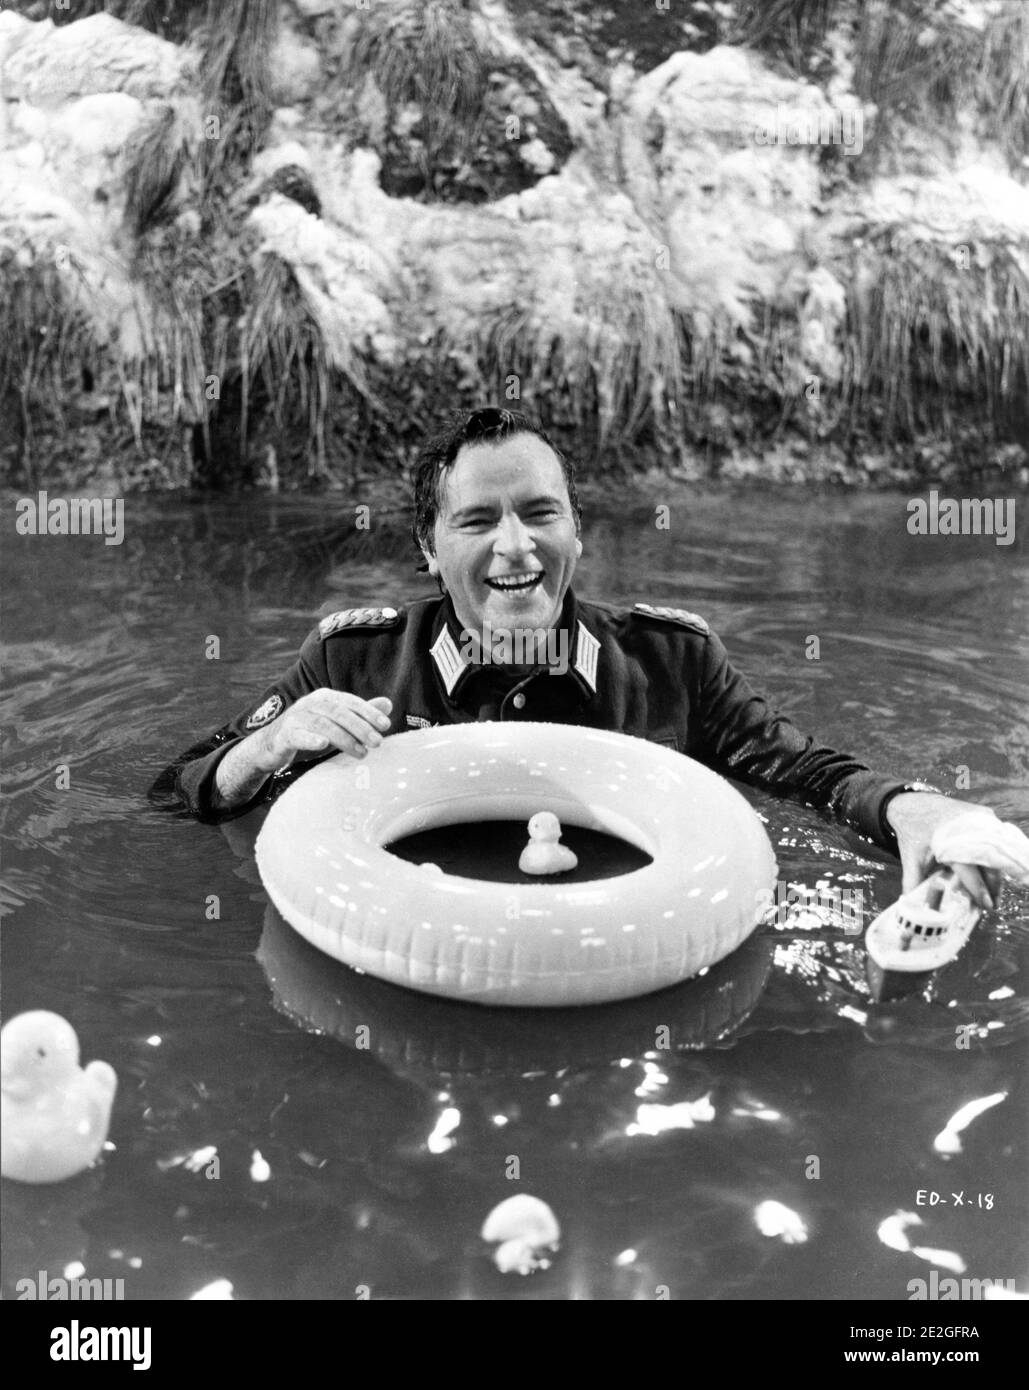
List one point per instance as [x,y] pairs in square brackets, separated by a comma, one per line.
[255,1142]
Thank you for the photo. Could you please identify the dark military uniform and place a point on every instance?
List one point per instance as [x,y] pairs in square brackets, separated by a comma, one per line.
[656,673]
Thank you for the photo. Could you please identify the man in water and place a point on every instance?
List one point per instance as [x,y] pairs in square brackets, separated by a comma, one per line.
[497,519]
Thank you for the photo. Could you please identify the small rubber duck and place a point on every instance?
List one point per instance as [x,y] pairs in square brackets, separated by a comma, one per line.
[55,1114]
[543,854]
[524,1229]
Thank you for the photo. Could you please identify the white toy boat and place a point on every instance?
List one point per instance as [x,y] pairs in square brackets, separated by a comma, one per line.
[925,928]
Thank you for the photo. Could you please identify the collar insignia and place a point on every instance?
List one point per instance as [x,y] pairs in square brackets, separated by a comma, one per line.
[449,662]
[452,664]
[587,650]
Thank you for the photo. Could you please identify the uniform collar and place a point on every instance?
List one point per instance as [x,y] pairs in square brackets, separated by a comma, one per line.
[454,667]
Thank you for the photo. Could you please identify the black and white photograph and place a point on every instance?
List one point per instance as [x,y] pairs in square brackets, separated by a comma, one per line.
[515,621]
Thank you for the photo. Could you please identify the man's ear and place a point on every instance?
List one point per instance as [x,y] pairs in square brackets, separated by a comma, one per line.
[578,548]
[431,562]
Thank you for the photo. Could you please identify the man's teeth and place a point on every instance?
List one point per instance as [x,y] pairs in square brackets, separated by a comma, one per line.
[514,581]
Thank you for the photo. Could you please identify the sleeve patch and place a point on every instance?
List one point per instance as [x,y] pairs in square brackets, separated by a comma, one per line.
[682,616]
[348,618]
[264,714]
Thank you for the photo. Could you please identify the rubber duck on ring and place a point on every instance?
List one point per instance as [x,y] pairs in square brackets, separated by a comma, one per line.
[543,854]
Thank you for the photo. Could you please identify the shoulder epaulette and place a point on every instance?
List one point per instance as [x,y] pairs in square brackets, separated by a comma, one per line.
[348,619]
[682,616]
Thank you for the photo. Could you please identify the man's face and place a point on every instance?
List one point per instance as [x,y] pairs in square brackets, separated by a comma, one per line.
[506,542]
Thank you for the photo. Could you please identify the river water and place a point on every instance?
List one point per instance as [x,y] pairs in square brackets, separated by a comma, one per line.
[256,1147]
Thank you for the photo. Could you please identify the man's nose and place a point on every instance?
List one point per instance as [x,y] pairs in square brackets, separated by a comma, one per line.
[513,536]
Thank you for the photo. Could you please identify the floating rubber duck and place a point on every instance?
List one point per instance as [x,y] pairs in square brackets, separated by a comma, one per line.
[543,854]
[55,1113]
[525,1228]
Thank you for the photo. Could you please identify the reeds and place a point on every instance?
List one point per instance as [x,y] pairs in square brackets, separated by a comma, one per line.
[46,345]
[927,340]
[923,60]
[931,339]
[425,53]
[609,371]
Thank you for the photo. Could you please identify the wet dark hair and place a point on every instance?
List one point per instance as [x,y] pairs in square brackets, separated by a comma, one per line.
[489,425]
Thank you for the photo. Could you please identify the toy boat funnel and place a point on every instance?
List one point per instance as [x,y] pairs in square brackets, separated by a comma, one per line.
[924,929]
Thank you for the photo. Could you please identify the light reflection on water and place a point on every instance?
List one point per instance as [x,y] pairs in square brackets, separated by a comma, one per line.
[233,1039]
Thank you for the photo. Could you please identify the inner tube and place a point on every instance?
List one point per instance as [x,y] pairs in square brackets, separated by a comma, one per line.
[426,1039]
[321,858]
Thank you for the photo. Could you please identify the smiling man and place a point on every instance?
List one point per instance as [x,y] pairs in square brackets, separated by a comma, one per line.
[497,519]
[503,544]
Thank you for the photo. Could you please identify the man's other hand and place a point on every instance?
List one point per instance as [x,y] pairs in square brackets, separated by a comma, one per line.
[914,816]
[325,719]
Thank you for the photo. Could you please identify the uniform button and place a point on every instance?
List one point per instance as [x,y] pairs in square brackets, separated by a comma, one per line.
[519,701]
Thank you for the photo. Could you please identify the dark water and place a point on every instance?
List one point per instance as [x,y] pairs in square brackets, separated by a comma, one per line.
[490,850]
[377,1166]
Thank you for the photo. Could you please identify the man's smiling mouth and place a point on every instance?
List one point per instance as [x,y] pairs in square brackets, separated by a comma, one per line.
[515,583]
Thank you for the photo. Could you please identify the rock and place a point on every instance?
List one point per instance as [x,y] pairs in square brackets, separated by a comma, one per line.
[704,162]
[14,30]
[822,322]
[96,54]
[313,9]
[98,126]
[341,278]
[295,66]
[538,158]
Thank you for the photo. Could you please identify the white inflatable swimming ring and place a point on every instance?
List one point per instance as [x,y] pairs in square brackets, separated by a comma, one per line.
[321,858]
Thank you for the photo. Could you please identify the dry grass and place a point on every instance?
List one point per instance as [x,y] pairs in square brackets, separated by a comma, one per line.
[915,58]
[282,348]
[425,53]
[791,29]
[929,341]
[614,373]
[45,345]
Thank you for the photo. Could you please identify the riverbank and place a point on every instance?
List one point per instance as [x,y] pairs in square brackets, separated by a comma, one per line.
[273,244]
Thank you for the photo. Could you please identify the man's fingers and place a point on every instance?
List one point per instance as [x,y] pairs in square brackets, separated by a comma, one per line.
[343,707]
[981,885]
[916,866]
[328,719]
[385,707]
[342,730]
[310,742]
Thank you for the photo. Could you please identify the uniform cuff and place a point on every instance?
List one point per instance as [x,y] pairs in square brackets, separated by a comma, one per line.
[195,782]
[861,803]
[888,832]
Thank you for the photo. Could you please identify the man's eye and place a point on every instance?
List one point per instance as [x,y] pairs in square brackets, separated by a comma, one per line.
[543,514]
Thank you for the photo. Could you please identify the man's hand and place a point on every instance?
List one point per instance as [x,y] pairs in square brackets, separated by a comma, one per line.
[319,721]
[322,720]
[914,816]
